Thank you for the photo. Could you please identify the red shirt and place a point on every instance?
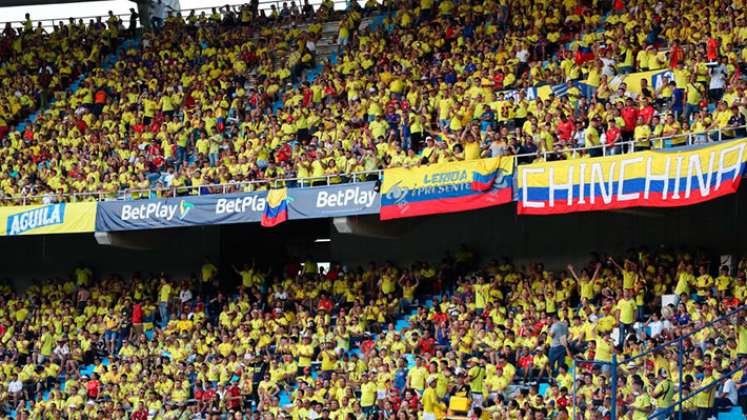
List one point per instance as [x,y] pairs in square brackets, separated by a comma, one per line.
[524,361]
[325,305]
[439,318]
[92,388]
[140,414]
[137,314]
[233,392]
[208,395]
[712,48]
[565,129]
[629,115]
[82,126]
[647,112]
[307,96]
[675,56]
[413,402]
[426,345]
[613,134]
[284,153]
[100,97]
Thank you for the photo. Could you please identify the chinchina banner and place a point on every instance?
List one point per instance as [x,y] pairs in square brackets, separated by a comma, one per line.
[46,219]
[446,187]
[645,179]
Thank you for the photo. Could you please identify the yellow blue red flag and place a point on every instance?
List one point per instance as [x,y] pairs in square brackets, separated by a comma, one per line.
[276,207]
[446,187]
[645,179]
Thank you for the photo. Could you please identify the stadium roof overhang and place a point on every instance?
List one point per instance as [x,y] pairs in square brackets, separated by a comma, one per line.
[9,3]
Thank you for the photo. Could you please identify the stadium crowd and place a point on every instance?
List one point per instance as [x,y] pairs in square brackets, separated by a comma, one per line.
[36,64]
[223,98]
[300,342]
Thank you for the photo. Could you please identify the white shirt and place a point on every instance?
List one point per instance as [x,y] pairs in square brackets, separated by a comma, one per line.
[523,56]
[608,67]
[730,389]
[185,295]
[15,386]
[718,77]
[656,328]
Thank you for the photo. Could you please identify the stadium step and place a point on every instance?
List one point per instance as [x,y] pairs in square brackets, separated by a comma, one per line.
[107,64]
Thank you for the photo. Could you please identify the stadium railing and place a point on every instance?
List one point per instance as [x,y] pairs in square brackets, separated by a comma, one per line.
[676,408]
[266,5]
[693,139]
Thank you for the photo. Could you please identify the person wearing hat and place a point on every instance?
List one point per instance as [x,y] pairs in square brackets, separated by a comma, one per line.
[727,396]
[368,393]
[592,137]
[476,377]
[641,406]
[431,403]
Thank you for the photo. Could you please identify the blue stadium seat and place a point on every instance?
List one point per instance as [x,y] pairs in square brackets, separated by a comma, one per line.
[734,414]
[543,388]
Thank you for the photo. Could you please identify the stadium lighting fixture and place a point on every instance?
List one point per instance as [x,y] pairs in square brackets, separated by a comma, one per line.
[320,240]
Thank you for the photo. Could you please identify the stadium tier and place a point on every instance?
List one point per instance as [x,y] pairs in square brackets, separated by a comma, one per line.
[243,213]
[226,99]
[380,341]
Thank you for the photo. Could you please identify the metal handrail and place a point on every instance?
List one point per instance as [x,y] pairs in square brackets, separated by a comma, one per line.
[679,342]
[175,191]
[682,338]
[309,181]
[263,5]
[629,146]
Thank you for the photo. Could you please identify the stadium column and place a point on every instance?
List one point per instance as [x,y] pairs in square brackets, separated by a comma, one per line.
[144,10]
[613,409]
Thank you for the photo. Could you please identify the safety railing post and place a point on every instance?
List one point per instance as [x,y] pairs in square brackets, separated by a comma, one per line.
[573,364]
[613,409]
[680,363]
[720,134]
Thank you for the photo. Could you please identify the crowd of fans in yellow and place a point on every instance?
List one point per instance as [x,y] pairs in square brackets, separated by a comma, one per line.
[298,342]
[222,98]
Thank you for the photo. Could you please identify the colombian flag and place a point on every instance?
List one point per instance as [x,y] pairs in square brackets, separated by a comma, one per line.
[276,208]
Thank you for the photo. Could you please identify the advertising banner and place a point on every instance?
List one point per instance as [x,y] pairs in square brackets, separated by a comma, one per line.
[180,211]
[645,179]
[46,219]
[301,203]
[334,201]
[446,187]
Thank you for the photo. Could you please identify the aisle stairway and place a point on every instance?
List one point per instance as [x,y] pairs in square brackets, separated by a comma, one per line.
[107,63]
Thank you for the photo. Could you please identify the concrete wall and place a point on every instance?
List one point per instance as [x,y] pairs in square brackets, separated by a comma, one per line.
[556,240]
[495,232]
[177,251]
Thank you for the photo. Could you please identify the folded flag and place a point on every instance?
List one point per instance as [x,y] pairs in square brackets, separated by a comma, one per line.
[276,207]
